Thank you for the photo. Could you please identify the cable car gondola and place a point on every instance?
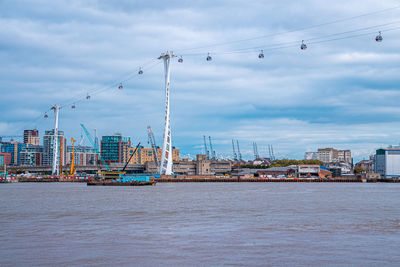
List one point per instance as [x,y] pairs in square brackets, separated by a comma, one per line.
[88,96]
[73,106]
[379,38]
[46,116]
[209,58]
[261,55]
[120,87]
[303,45]
[180,60]
[140,71]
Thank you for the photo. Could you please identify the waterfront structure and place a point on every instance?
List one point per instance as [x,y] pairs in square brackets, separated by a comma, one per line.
[31,137]
[83,156]
[50,144]
[114,148]
[166,155]
[367,166]
[31,156]
[387,161]
[143,155]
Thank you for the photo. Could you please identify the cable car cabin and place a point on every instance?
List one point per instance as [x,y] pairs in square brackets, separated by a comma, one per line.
[120,87]
[140,71]
[379,38]
[88,97]
[261,55]
[303,45]
[209,58]
[46,116]
[180,60]
[73,106]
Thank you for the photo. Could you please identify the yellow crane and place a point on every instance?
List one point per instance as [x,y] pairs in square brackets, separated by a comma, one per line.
[72,172]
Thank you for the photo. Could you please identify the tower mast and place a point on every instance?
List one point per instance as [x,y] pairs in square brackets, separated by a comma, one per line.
[166,155]
[55,168]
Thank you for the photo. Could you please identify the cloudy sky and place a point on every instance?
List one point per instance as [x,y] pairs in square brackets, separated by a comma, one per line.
[342,92]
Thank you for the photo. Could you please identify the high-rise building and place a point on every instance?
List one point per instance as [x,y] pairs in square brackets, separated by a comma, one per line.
[387,161]
[48,144]
[31,137]
[114,148]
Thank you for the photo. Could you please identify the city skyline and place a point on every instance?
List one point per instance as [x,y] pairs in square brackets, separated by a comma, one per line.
[340,94]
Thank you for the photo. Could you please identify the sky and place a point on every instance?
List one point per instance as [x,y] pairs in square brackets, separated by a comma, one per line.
[341,92]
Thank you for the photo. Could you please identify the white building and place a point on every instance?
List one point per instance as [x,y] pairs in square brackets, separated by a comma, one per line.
[387,161]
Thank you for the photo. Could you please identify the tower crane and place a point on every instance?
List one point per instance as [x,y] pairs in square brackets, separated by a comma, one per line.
[103,163]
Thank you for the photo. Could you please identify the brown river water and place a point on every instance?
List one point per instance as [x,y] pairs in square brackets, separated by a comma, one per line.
[200,224]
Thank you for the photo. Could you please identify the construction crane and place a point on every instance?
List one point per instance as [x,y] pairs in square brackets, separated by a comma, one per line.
[72,171]
[61,156]
[255,149]
[152,142]
[205,148]
[212,151]
[103,163]
[238,149]
[234,152]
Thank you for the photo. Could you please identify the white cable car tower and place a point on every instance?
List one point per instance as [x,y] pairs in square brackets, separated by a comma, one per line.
[166,155]
[55,170]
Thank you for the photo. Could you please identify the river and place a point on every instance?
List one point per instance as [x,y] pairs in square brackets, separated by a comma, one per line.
[200,224]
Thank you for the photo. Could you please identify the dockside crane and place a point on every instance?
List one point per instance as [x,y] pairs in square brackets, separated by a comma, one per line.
[152,142]
[234,152]
[255,149]
[212,151]
[205,148]
[238,149]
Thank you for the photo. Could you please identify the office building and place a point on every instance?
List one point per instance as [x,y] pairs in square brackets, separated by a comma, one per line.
[14,149]
[143,155]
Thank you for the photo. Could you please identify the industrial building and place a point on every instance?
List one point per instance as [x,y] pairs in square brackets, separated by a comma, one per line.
[114,148]
[387,162]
